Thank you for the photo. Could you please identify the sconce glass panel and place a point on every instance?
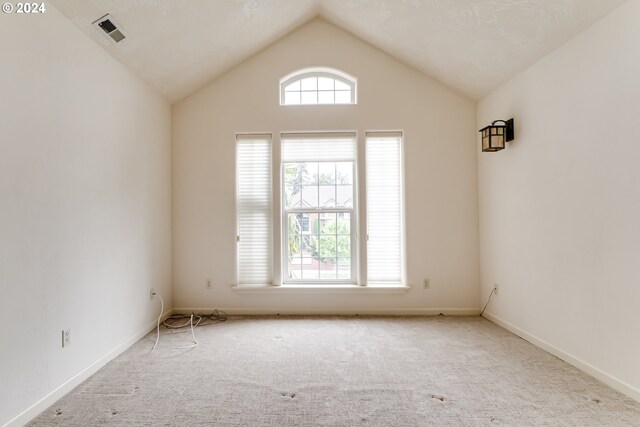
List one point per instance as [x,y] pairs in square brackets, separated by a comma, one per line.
[493,138]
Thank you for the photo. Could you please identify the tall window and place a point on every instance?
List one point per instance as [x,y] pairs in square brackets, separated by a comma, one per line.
[254,209]
[385,245]
[318,187]
[317,86]
[318,214]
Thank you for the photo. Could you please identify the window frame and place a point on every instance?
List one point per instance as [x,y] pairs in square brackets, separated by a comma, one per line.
[352,211]
[332,73]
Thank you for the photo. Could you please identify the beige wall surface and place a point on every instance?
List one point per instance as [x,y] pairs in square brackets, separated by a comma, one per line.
[85,200]
[440,173]
[560,207]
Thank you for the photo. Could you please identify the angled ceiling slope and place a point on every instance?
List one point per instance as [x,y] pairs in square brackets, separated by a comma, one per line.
[472,46]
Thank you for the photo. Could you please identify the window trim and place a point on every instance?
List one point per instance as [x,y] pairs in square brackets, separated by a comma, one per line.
[341,76]
[321,289]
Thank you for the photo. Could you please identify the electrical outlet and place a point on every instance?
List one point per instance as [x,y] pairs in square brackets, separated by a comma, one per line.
[426,284]
[152,293]
[209,284]
[66,337]
[496,288]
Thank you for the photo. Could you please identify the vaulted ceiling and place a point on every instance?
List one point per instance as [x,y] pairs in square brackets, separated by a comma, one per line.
[472,46]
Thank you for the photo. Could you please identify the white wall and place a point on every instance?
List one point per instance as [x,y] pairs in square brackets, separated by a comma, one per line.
[85,223]
[560,207]
[440,160]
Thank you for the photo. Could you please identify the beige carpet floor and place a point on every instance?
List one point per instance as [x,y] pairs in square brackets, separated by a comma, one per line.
[341,371]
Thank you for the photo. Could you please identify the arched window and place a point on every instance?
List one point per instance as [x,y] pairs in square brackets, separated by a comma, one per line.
[312,86]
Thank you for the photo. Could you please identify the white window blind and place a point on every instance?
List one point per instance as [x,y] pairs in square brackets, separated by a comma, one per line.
[384,207]
[319,147]
[254,209]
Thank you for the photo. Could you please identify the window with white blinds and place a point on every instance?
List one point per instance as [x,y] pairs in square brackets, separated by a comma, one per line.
[385,247]
[254,209]
[318,171]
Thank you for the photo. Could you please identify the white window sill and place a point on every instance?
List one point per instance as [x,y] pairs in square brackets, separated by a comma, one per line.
[322,289]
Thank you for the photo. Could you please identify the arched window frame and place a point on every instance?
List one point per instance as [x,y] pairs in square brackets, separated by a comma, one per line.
[319,72]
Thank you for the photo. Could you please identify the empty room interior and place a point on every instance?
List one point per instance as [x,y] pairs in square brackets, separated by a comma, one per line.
[320,212]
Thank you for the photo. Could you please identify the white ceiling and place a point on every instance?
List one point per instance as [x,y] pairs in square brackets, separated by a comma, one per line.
[472,46]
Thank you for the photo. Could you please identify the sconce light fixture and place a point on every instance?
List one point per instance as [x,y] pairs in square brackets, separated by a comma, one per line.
[496,135]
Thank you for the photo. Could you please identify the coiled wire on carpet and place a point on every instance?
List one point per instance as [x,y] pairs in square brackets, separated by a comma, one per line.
[202,319]
[217,316]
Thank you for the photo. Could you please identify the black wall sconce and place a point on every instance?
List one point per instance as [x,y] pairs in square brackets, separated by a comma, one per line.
[496,135]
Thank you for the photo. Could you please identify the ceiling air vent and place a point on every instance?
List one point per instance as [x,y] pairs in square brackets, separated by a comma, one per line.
[110,28]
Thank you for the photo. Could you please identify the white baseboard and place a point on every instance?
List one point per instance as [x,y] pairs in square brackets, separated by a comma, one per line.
[336,311]
[598,374]
[34,410]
